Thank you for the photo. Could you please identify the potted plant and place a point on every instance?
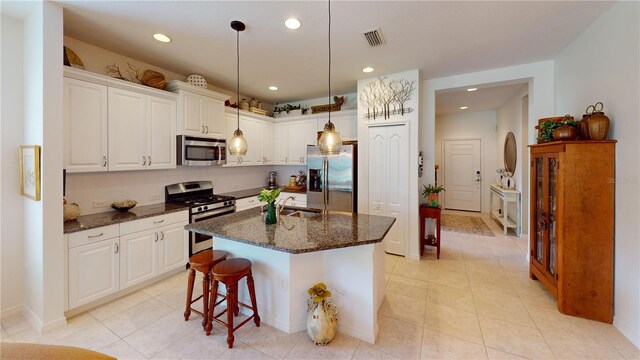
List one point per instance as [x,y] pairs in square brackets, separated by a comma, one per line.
[270,196]
[322,322]
[430,192]
[566,130]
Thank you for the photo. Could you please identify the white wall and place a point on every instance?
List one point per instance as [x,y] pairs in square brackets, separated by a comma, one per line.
[11,132]
[470,125]
[602,65]
[510,119]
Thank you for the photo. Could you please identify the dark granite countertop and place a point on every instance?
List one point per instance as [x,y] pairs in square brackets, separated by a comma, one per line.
[242,194]
[91,221]
[297,235]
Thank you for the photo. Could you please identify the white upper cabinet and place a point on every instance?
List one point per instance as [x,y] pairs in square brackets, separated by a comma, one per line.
[201,112]
[85,126]
[258,142]
[345,122]
[282,143]
[127,123]
[115,125]
[268,142]
[141,131]
[161,133]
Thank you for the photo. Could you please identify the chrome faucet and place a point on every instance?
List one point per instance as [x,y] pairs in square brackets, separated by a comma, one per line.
[280,207]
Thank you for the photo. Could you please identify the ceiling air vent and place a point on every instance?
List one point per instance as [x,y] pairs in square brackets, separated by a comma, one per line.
[374,37]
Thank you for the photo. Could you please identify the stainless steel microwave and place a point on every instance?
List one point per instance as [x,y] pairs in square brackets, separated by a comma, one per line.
[196,151]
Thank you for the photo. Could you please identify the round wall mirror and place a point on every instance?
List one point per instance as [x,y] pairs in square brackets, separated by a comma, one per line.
[510,153]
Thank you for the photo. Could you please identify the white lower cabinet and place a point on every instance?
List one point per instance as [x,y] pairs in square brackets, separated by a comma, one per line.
[173,248]
[134,252]
[138,259]
[93,271]
[247,203]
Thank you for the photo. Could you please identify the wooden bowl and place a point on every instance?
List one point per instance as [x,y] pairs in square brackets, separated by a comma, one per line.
[124,206]
[154,79]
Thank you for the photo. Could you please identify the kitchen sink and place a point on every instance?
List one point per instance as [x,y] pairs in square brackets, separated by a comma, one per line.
[298,212]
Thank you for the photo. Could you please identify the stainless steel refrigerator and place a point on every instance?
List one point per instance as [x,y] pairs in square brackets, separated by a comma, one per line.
[333,178]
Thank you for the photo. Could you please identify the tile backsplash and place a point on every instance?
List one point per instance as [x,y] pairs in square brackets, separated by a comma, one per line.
[147,187]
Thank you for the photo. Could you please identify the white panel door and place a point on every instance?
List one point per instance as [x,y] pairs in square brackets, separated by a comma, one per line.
[297,142]
[173,247]
[397,188]
[139,257]
[378,162]
[192,114]
[85,126]
[214,118]
[282,143]
[268,144]
[388,149]
[462,181]
[93,271]
[257,140]
[127,133]
[161,133]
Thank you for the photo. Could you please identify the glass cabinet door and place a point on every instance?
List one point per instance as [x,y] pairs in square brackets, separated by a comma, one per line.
[539,220]
[552,198]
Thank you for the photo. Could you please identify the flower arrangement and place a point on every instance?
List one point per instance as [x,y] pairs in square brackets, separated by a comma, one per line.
[548,127]
[270,196]
[430,192]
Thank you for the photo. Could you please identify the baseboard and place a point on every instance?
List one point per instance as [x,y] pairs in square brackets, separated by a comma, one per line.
[33,319]
[627,332]
[356,333]
[11,311]
[53,325]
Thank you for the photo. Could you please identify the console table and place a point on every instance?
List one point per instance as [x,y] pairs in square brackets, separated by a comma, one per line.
[506,196]
[427,212]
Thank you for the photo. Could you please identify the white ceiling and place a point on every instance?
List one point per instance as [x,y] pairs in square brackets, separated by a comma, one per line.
[439,38]
[487,97]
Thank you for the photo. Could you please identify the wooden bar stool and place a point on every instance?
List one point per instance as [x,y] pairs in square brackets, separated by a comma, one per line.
[203,262]
[229,272]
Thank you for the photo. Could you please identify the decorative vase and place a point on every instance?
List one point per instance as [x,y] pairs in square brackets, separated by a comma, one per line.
[322,322]
[583,127]
[565,133]
[599,126]
[508,183]
[71,212]
[432,200]
[270,218]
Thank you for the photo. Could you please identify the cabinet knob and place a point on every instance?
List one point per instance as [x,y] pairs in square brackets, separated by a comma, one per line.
[144,161]
[161,235]
[156,234]
[202,129]
[104,161]
[149,160]
[117,248]
[207,129]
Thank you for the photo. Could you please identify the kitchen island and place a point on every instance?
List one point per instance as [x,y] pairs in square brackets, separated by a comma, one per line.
[343,250]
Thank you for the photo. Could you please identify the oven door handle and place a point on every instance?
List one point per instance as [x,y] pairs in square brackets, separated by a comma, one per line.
[214,212]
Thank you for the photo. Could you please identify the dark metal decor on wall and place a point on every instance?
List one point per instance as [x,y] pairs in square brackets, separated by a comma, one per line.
[384,98]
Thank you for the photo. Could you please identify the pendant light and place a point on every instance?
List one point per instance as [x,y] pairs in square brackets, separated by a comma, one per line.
[238,144]
[330,141]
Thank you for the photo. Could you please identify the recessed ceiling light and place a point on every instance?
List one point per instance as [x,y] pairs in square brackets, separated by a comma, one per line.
[464,107]
[273,88]
[472,89]
[162,38]
[292,23]
[368,69]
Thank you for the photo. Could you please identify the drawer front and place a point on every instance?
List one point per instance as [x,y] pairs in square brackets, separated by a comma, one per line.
[153,222]
[93,235]
[247,203]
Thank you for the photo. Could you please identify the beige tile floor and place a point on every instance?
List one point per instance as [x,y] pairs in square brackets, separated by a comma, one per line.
[475,302]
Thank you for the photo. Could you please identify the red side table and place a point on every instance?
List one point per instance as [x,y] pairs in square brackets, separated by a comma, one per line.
[427,212]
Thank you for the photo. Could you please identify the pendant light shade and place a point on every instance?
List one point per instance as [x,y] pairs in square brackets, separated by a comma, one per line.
[238,144]
[330,141]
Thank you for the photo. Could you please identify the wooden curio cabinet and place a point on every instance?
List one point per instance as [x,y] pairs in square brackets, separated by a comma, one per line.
[571,228]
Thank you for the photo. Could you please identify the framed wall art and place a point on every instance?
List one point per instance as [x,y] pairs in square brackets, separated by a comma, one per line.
[30,171]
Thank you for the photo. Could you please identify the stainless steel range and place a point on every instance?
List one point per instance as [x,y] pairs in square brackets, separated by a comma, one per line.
[203,205]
